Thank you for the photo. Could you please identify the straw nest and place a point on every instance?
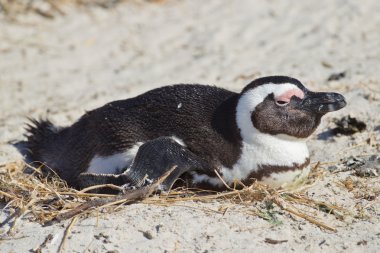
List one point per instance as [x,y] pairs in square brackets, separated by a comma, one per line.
[49,199]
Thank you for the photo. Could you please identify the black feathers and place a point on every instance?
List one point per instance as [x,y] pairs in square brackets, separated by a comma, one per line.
[38,133]
[273,79]
[39,129]
[187,112]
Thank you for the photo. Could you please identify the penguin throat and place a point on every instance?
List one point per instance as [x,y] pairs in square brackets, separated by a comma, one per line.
[264,151]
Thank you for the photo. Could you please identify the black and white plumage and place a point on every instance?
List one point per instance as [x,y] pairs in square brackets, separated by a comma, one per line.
[259,133]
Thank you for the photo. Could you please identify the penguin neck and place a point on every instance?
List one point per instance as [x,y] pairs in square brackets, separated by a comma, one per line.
[224,120]
[276,150]
[264,151]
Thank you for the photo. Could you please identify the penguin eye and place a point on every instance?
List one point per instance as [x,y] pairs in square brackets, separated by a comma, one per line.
[282,103]
[284,98]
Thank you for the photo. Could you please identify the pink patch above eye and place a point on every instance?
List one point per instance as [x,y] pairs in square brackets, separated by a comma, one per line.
[285,97]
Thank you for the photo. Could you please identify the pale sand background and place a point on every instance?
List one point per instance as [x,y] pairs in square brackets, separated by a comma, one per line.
[60,68]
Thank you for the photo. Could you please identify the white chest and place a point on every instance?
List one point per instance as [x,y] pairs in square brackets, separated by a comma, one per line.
[266,150]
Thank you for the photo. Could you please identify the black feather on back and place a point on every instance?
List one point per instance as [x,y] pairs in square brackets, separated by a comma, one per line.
[202,116]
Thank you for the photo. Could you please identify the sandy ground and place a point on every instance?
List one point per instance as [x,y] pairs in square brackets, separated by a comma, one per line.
[59,68]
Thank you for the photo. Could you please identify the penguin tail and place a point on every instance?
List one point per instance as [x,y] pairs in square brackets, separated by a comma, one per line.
[40,134]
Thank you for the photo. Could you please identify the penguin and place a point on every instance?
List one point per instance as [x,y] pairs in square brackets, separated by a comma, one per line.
[212,135]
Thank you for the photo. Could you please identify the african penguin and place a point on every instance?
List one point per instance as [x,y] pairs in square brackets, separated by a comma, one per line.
[258,134]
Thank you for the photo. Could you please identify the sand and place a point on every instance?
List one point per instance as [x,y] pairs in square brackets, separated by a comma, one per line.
[61,67]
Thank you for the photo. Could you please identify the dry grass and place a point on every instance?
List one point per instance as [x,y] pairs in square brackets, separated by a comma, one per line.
[46,199]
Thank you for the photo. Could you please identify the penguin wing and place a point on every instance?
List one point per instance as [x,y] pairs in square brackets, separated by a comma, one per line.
[152,160]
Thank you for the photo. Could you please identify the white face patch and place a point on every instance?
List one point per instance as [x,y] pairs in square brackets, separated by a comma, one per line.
[250,99]
[113,164]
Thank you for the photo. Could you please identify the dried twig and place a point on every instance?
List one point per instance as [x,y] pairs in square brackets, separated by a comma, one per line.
[38,249]
[66,234]
[304,216]
[19,214]
[111,186]
[272,241]
[221,179]
[129,197]
[56,7]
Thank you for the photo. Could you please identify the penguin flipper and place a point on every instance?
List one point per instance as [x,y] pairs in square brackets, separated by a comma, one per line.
[153,159]
[158,156]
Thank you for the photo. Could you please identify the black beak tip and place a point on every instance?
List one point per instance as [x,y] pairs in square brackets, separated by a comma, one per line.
[335,102]
[341,103]
[323,102]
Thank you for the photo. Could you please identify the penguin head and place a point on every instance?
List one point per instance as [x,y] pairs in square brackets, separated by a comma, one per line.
[283,106]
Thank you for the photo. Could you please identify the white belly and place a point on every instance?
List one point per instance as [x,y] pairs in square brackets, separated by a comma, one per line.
[116,163]
[113,164]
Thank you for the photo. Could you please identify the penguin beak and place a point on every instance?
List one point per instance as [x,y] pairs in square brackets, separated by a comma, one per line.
[323,102]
